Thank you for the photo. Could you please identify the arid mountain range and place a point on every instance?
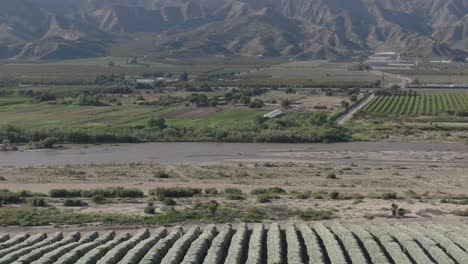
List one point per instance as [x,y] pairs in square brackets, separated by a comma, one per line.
[64,29]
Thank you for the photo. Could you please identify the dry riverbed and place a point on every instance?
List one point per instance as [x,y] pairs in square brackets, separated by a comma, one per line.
[351,183]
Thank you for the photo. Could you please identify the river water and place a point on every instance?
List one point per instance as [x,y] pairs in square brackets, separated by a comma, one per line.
[213,152]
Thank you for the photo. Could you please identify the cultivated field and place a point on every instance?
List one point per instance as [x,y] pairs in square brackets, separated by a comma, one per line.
[319,71]
[86,70]
[257,244]
[426,104]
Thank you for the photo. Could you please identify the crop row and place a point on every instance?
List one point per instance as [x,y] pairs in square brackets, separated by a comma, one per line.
[272,244]
[426,104]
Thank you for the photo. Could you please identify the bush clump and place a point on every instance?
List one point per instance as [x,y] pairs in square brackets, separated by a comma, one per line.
[9,197]
[149,209]
[64,193]
[263,198]
[389,196]
[314,215]
[232,191]
[334,195]
[74,203]
[175,192]
[111,192]
[273,190]
[162,175]
[37,202]
[168,202]
[210,191]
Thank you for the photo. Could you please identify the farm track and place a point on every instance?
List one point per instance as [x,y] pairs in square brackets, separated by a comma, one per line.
[329,243]
[347,116]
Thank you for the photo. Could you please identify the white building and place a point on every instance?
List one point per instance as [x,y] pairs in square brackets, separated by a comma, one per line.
[273,114]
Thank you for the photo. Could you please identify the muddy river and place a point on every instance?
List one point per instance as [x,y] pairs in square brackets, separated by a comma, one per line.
[211,152]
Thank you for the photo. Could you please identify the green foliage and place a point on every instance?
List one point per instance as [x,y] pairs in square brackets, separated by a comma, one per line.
[213,207]
[74,203]
[254,215]
[9,197]
[272,190]
[89,100]
[263,198]
[234,197]
[424,104]
[232,191]
[110,192]
[175,192]
[235,126]
[157,122]
[389,196]
[162,175]
[334,195]
[211,191]
[37,202]
[64,193]
[314,215]
[257,103]
[168,202]
[184,77]
[149,209]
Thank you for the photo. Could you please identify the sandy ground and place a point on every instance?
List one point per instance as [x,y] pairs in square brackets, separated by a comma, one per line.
[421,177]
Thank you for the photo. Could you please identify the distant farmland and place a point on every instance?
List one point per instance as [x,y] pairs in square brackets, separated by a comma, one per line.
[425,104]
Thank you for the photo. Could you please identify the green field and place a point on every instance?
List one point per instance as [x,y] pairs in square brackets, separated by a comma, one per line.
[21,112]
[424,104]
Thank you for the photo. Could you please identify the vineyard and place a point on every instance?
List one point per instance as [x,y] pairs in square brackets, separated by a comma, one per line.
[272,244]
[425,104]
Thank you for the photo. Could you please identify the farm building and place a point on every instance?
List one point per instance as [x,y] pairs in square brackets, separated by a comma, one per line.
[274,114]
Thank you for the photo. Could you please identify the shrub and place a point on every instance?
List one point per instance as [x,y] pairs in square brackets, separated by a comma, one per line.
[175,192]
[157,122]
[254,215]
[37,202]
[334,195]
[74,203]
[234,197]
[314,215]
[162,175]
[232,191]
[401,212]
[168,202]
[273,190]
[7,197]
[263,198]
[213,207]
[389,196]
[98,198]
[211,191]
[257,103]
[149,210]
[64,193]
[460,212]
[331,176]
[113,192]
[301,195]
[319,195]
